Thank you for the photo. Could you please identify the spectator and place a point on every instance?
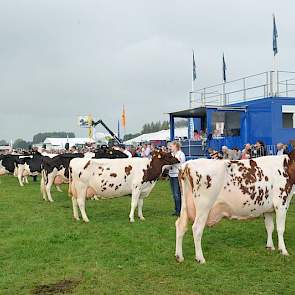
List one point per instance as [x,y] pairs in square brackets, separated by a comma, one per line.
[226,153]
[259,150]
[125,151]
[173,174]
[73,149]
[282,149]
[214,154]
[246,153]
[236,154]
[197,135]
[146,151]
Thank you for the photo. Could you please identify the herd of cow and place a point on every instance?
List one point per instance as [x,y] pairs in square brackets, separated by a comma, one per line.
[211,189]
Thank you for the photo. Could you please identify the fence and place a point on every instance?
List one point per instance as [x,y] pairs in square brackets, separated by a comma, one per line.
[261,85]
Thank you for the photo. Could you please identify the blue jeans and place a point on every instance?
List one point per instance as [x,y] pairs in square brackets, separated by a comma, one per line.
[176,193]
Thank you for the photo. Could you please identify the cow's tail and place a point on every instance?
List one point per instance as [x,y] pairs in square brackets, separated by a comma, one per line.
[183,184]
[70,193]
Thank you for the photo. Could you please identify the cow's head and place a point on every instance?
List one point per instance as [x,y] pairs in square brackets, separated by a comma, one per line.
[164,158]
[159,160]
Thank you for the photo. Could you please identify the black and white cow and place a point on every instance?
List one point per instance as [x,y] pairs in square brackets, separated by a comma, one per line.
[9,165]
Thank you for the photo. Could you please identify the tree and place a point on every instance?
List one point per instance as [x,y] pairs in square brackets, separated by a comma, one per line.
[21,144]
[3,142]
[181,123]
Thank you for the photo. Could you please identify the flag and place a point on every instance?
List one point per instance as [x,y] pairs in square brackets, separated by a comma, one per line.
[194,68]
[223,69]
[119,129]
[123,117]
[274,37]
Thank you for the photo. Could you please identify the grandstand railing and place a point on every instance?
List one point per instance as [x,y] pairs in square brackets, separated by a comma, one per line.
[261,85]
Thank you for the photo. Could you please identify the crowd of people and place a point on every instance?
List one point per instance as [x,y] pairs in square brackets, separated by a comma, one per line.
[250,151]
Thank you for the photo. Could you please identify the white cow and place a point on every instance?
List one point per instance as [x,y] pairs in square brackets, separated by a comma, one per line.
[235,189]
[113,178]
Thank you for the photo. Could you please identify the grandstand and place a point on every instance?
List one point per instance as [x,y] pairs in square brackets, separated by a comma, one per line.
[256,107]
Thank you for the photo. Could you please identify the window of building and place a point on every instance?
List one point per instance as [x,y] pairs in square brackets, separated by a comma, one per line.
[226,123]
[288,116]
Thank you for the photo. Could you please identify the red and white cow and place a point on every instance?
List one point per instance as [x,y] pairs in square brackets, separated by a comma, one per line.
[107,178]
[237,190]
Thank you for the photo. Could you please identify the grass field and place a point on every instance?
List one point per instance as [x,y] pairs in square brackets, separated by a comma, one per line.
[43,250]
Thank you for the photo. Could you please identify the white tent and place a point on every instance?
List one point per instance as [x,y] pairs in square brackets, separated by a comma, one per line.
[159,135]
[61,142]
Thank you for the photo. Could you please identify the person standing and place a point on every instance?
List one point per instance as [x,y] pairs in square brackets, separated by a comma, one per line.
[173,175]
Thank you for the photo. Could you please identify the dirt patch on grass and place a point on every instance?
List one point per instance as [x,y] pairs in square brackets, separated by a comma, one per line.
[61,287]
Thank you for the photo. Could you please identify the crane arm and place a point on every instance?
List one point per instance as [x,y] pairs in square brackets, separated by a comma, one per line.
[100,122]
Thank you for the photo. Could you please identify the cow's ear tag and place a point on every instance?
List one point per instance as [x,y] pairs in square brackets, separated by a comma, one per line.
[159,156]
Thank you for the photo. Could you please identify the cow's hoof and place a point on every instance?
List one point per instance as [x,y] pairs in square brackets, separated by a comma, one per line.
[131,220]
[284,253]
[77,218]
[86,220]
[270,248]
[142,218]
[201,260]
[179,259]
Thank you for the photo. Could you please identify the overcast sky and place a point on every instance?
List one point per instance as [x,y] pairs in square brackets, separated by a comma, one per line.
[63,58]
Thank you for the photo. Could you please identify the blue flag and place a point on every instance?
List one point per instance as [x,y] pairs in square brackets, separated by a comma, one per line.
[223,69]
[274,37]
[194,68]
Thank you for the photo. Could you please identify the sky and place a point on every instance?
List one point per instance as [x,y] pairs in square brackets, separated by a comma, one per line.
[60,59]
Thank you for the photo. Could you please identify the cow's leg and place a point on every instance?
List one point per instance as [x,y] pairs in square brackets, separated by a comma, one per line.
[42,187]
[198,228]
[20,176]
[280,220]
[181,229]
[58,188]
[134,202]
[81,203]
[269,225]
[75,208]
[50,180]
[26,179]
[139,208]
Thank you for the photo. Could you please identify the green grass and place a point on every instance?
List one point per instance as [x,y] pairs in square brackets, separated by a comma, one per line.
[41,244]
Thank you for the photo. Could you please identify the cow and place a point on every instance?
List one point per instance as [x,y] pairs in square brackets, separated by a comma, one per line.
[114,178]
[56,170]
[241,190]
[9,165]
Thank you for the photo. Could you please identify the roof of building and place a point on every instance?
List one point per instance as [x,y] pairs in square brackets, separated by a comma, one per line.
[201,111]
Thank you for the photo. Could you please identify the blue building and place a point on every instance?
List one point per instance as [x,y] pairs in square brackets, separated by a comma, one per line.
[233,116]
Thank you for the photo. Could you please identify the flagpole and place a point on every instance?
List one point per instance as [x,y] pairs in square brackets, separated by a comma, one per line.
[223,79]
[275,79]
[191,100]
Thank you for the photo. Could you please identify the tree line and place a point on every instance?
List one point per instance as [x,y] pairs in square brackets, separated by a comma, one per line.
[20,143]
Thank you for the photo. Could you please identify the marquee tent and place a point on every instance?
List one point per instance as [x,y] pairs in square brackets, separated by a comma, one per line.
[159,135]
